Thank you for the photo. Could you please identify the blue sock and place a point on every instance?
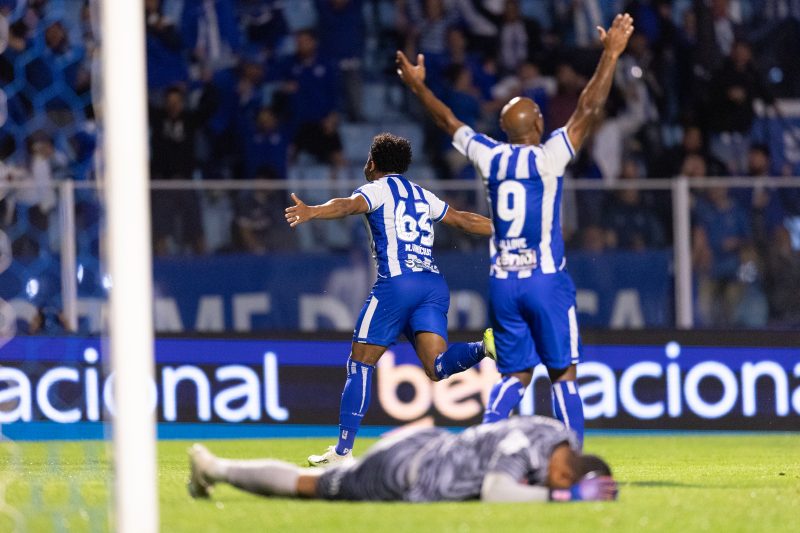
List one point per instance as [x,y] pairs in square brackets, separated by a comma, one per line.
[355,402]
[505,396]
[568,407]
[458,357]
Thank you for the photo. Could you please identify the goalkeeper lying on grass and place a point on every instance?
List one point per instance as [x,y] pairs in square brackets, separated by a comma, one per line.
[517,460]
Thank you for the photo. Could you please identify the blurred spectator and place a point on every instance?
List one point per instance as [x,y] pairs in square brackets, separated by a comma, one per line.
[716,33]
[166,64]
[766,212]
[238,100]
[692,143]
[513,38]
[483,69]
[583,16]
[694,166]
[563,103]
[34,199]
[209,29]
[783,283]
[308,83]
[57,69]
[729,271]
[48,320]
[630,224]
[253,222]
[342,42]
[173,130]
[726,224]
[463,97]
[321,141]
[267,147]
[730,109]
[427,30]
[263,22]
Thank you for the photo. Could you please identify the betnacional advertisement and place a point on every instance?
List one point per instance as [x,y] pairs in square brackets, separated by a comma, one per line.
[283,383]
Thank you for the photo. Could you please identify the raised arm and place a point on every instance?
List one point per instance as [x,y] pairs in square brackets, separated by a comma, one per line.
[594,95]
[335,208]
[414,77]
[468,222]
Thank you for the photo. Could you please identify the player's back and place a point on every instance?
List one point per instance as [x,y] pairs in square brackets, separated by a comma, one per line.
[453,467]
[400,223]
[524,185]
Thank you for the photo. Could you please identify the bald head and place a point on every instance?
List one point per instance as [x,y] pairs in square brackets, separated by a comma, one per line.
[522,121]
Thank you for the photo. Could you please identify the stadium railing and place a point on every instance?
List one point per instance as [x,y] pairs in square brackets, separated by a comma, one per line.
[64,268]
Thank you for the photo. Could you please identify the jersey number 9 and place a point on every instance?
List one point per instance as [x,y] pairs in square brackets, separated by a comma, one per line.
[511,206]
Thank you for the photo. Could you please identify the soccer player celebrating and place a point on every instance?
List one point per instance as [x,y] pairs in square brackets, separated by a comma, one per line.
[525,459]
[409,296]
[532,298]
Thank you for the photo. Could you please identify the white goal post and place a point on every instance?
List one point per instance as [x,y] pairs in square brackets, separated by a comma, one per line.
[126,180]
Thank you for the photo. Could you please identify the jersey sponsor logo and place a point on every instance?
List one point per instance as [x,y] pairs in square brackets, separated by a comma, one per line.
[418,265]
[517,260]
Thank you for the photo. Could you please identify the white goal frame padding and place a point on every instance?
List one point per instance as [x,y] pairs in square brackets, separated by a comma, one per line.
[126,178]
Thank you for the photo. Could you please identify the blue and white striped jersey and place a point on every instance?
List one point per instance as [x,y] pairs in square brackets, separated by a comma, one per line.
[524,185]
[399,221]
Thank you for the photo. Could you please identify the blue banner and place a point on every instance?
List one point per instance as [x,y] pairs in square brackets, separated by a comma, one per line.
[221,384]
[325,292]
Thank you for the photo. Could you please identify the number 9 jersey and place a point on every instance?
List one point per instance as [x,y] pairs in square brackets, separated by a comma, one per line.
[400,223]
[531,296]
[524,184]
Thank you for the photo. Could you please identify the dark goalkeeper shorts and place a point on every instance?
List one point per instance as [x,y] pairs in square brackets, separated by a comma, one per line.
[384,473]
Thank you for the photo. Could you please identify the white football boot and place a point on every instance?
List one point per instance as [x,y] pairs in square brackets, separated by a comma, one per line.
[330,457]
[200,464]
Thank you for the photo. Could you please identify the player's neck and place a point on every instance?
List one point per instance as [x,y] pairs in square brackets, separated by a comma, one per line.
[380,175]
[526,139]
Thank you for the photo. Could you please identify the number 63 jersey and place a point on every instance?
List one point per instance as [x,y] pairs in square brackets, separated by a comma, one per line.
[524,185]
[400,223]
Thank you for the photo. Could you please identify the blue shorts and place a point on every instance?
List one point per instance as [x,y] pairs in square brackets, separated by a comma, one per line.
[534,321]
[409,303]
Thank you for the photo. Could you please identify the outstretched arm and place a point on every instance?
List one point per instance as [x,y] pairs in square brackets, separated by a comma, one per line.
[414,77]
[594,95]
[336,208]
[468,222]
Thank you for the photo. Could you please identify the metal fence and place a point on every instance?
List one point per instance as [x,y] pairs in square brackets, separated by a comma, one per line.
[54,273]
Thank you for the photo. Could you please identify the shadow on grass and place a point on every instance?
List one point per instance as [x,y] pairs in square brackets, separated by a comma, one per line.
[662,484]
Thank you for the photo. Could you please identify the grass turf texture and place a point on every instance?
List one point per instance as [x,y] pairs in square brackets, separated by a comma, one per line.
[668,483]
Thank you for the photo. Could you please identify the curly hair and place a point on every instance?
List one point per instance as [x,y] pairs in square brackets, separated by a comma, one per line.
[390,153]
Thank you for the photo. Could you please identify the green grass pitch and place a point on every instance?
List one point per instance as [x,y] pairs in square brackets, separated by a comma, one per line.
[670,482]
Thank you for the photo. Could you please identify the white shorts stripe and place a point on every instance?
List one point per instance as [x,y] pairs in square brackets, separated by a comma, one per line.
[363,388]
[560,399]
[573,334]
[363,331]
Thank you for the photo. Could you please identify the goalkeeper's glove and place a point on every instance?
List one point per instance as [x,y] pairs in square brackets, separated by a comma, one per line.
[590,488]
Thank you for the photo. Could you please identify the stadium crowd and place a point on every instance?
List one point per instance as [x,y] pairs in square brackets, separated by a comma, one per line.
[292,89]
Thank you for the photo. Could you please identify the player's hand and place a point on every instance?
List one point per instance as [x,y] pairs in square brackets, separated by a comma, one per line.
[412,75]
[600,488]
[299,212]
[616,38]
